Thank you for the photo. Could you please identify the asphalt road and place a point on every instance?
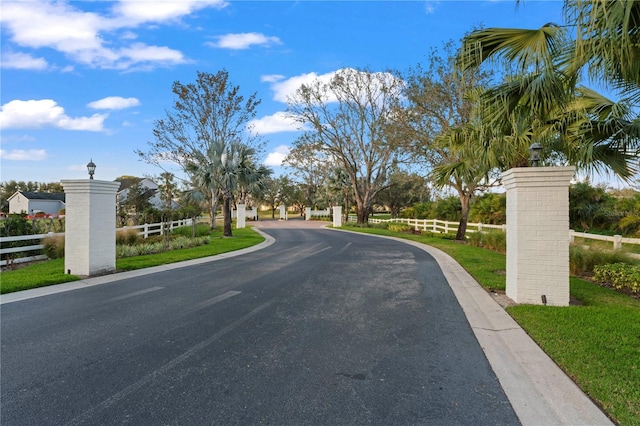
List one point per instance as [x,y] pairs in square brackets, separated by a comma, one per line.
[321,328]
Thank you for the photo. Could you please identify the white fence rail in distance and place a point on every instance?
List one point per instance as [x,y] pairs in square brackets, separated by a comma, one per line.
[442,226]
[145,231]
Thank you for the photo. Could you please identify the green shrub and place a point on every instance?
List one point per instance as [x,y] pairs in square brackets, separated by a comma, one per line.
[147,247]
[491,240]
[582,261]
[202,230]
[127,236]
[53,246]
[399,227]
[381,225]
[621,276]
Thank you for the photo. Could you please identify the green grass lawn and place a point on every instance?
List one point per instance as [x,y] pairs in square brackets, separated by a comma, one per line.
[52,271]
[596,343]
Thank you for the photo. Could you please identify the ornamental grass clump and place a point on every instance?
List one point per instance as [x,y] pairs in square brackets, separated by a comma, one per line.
[399,227]
[159,246]
[490,240]
[201,230]
[620,276]
[53,246]
[127,236]
[582,260]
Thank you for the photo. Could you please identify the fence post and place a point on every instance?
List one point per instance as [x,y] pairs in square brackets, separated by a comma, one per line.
[617,242]
[446,227]
[480,227]
[572,236]
[146,231]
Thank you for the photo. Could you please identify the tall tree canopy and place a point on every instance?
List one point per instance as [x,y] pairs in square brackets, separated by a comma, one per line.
[349,115]
[205,118]
[440,129]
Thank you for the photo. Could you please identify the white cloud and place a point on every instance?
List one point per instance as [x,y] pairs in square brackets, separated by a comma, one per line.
[283,89]
[136,11]
[23,61]
[272,78]
[277,156]
[114,102]
[23,155]
[276,123]
[139,52]
[55,25]
[45,113]
[244,41]
[430,6]
[94,39]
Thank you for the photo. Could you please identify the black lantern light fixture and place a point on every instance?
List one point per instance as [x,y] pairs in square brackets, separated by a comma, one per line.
[91,168]
[535,150]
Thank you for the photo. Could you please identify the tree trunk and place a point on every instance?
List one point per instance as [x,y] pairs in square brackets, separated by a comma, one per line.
[212,209]
[226,206]
[362,214]
[346,209]
[465,201]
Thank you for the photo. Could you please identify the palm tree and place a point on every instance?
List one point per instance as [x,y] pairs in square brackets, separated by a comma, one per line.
[226,168]
[463,171]
[544,96]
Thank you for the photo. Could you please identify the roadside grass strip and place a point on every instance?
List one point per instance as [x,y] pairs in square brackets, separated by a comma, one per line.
[596,341]
[52,271]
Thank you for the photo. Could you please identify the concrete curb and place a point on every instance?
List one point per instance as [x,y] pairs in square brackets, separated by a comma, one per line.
[75,285]
[539,391]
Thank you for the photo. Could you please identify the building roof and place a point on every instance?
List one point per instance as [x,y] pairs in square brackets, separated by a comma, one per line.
[42,195]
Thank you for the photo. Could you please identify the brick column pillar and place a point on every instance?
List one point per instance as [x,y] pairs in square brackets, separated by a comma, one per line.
[337,216]
[240,220]
[90,234]
[307,213]
[538,234]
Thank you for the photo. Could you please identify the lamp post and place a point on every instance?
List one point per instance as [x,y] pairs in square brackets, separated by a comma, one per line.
[535,149]
[91,168]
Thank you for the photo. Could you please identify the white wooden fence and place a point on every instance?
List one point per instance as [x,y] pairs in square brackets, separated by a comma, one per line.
[320,213]
[441,226]
[145,231]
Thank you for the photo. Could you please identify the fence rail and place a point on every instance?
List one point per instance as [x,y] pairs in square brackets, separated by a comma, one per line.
[145,231]
[442,226]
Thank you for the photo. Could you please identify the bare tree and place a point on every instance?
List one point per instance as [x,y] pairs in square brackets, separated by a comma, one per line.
[310,167]
[207,112]
[349,115]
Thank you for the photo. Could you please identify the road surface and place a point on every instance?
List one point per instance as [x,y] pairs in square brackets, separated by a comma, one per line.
[320,328]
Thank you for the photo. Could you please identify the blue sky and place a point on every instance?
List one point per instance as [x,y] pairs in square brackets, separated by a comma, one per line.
[86,80]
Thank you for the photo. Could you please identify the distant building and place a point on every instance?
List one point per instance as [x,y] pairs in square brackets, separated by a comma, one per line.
[33,203]
[154,199]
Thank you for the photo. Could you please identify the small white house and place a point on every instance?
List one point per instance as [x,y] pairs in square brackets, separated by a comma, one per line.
[148,185]
[32,203]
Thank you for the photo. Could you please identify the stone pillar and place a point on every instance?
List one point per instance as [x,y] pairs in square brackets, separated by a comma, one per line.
[240,221]
[283,213]
[254,213]
[538,234]
[307,213]
[337,216]
[90,234]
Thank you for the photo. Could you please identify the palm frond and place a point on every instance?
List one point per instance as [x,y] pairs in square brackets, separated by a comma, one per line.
[528,50]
